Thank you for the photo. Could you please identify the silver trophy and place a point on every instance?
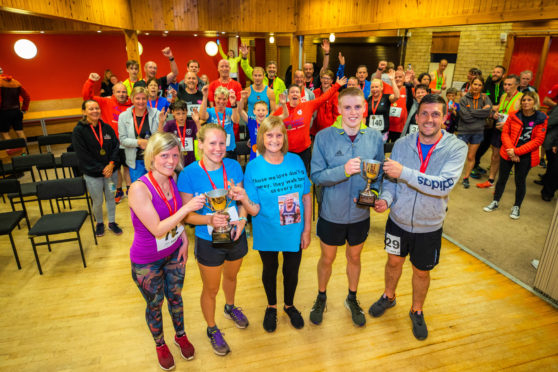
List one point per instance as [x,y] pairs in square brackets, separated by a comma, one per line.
[218,202]
[370,169]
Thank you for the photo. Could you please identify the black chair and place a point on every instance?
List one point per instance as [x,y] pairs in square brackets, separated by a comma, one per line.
[242,149]
[25,163]
[70,160]
[6,170]
[9,220]
[53,139]
[64,222]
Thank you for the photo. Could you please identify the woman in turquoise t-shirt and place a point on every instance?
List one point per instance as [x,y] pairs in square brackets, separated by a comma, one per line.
[277,194]
[216,262]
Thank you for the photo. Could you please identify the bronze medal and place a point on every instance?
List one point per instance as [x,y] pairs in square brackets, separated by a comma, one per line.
[173,232]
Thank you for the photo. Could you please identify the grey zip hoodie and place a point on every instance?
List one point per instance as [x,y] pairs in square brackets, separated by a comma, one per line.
[418,201]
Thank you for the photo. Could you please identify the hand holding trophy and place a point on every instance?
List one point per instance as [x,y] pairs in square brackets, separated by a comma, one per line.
[218,202]
[370,169]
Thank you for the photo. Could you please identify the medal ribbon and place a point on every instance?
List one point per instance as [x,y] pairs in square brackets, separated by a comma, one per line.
[225,184]
[374,108]
[99,138]
[136,123]
[424,164]
[439,81]
[224,118]
[182,135]
[162,195]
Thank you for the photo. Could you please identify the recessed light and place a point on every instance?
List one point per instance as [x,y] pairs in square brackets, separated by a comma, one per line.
[166,32]
[147,33]
[99,31]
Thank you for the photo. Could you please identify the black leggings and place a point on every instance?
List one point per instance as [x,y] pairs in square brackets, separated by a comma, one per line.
[291,263]
[521,170]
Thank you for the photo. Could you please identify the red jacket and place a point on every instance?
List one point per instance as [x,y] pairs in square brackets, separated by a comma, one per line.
[326,114]
[10,91]
[300,118]
[513,127]
[110,107]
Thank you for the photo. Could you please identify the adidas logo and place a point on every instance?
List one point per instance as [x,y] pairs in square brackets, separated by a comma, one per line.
[339,153]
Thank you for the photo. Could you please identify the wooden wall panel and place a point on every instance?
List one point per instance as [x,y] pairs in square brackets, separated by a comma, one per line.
[10,22]
[214,15]
[347,15]
[112,13]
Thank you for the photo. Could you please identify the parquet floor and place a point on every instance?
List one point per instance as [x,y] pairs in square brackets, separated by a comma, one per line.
[92,319]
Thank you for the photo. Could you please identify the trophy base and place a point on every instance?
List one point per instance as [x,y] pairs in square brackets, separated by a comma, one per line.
[222,237]
[366,200]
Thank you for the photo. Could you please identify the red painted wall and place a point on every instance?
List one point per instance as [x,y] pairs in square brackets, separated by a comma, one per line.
[526,55]
[550,73]
[63,62]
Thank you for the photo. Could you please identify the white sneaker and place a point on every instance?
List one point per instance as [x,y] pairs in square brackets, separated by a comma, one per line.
[492,206]
[515,212]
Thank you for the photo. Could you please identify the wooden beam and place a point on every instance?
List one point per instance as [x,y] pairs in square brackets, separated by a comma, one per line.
[509,51]
[132,47]
[542,61]
[294,54]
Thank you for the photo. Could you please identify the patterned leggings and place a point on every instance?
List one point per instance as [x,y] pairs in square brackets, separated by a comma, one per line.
[165,276]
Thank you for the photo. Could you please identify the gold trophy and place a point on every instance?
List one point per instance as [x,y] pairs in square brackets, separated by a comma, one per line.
[370,169]
[218,202]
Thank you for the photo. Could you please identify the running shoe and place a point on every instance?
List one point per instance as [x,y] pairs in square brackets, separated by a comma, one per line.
[118,196]
[100,229]
[485,185]
[220,346]
[166,361]
[236,315]
[475,174]
[113,226]
[379,307]
[514,212]
[294,316]
[270,319]
[186,348]
[419,325]
[491,207]
[356,311]
[466,183]
[317,312]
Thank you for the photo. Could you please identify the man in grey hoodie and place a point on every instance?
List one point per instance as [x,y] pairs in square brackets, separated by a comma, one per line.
[423,169]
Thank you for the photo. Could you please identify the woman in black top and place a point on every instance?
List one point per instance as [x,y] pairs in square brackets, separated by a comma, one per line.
[96,147]
[380,103]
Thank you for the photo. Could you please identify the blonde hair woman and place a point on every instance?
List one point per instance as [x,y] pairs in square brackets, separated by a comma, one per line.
[160,247]
[216,262]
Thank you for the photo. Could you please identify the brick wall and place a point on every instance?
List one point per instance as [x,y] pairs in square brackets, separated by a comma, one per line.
[270,51]
[479,46]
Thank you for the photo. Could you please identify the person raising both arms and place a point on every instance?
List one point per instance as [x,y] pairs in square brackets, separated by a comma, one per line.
[222,115]
[233,61]
[160,247]
[271,79]
[328,112]
[259,92]
[216,262]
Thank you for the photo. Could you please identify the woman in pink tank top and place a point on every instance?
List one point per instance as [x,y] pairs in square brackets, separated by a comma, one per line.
[160,247]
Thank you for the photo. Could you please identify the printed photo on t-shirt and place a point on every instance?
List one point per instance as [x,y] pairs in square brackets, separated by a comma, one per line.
[289,209]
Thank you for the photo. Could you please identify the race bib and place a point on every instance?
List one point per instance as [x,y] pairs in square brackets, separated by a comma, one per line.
[502,118]
[188,144]
[393,244]
[169,238]
[413,128]
[376,122]
[395,112]
[228,140]
[233,216]
[191,107]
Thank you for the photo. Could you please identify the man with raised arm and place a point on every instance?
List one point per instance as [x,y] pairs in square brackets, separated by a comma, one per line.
[150,69]
[271,79]
[423,168]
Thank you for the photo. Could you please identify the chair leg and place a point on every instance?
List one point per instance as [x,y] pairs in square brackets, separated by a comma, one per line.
[313,202]
[36,256]
[15,251]
[48,243]
[81,249]
[93,229]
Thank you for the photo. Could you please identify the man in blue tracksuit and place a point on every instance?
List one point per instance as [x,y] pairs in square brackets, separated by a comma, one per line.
[336,163]
[423,169]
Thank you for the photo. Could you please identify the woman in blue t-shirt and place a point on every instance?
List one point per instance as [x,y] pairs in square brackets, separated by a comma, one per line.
[277,194]
[214,172]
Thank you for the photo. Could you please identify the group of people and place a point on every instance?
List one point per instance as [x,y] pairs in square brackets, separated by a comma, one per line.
[173,142]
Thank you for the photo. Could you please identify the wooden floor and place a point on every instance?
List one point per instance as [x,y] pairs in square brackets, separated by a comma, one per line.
[92,319]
